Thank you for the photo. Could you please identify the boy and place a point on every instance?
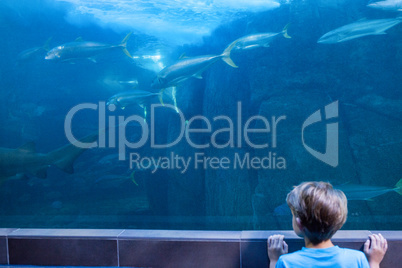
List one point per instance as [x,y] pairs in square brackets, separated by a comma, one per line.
[319,211]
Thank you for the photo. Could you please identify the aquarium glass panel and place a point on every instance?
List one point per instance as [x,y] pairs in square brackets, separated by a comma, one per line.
[197,115]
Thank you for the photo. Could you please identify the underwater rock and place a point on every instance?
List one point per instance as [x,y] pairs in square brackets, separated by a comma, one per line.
[174,191]
[185,184]
[386,107]
[375,142]
[228,191]
[274,183]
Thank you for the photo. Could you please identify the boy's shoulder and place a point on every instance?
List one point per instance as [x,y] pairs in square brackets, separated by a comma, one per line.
[354,255]
[352,252]
[327,256]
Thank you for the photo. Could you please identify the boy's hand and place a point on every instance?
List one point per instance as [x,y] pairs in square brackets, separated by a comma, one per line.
[375,250]
[276,247]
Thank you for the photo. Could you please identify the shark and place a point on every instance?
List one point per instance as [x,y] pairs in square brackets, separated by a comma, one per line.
[358,29]
[80,49]
[17,163]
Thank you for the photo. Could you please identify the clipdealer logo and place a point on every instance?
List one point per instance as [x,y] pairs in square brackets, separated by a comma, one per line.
[238,133]
[331,155]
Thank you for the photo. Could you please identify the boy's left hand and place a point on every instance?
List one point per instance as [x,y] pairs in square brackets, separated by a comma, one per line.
[276,247]
[375,248]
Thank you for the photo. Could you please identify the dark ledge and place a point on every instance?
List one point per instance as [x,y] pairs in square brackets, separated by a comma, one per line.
[161,248]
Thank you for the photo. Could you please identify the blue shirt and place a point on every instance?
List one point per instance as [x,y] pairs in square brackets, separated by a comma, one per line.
[334,257]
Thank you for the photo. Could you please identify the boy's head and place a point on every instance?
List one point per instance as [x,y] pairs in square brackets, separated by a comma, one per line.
[320,209]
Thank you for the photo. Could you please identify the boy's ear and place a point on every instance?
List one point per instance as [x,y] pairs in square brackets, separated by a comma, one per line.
[299,224]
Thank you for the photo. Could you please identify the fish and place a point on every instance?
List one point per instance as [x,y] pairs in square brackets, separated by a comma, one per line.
[116,84]
[259,40]
[388,5]
[25,160]
[31,53]
[358,29]
[140,98]
[190,67]
[135,97]
[367,192]
[117,178]
[84,50]
[131,83]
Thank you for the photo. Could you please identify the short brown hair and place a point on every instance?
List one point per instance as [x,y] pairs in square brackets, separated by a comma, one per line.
[322,210]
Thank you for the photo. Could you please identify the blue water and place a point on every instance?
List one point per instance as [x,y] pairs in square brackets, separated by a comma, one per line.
[292,77]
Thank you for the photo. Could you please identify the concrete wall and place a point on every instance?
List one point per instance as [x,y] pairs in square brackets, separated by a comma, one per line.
[161,248]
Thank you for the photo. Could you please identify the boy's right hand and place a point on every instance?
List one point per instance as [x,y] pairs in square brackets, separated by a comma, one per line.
[276,247]
[375,248]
